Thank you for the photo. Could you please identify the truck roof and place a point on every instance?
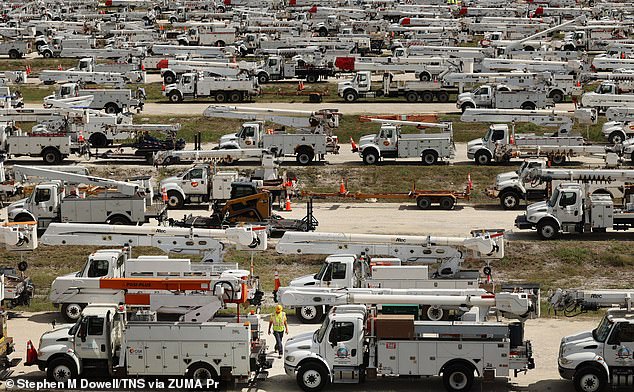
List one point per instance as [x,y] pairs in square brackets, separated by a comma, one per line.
[98,309]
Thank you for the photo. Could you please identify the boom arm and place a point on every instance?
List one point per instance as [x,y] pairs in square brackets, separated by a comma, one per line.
[582,175]
[574,302]
[289,118]
[547,118]
[515,44]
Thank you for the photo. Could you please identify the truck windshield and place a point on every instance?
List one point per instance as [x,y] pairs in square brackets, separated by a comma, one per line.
[321,332]
[322,271]
[553,199]
[73,330]
[488,135]
[600,334]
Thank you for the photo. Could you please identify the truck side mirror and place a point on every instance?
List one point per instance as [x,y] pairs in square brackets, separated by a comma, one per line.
[83,331]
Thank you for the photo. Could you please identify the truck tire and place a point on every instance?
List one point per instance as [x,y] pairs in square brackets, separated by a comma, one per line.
[175,97]
[47,54]
[616,137]
[310,314]
[443,97]
[235,96]
[457,377]
[557,96]
[509,200]
[467,105]
[558,159]
[323,32]
[72,311]
[547,229]
[111,108]
[350,96]
[174,200]
[201,371]
[98,140]
[304,156]
[411,96]
[433,313]
[447,203]
[589,379]
[263,78]
[14,54]
[370,157]
[424,76]
[169,78]
[220,44]
[429,157]
[482,158]
[312,78]
[528,106]
[221,97]
[312,377]
[23,218]
[423,203]
[427,97]
[61,370]
[52,156]
[119,220]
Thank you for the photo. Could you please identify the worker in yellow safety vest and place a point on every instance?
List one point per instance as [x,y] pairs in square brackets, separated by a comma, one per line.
[279,324]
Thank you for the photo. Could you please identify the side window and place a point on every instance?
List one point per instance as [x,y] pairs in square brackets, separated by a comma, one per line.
[95,326]
[98,268]
[626,333]
[186,79]
[338,271]
[341,332]
[362,78]
[567,199]
[249,132]
[42,195]
[272,62]
[194,173]
[484,91]
[498,134]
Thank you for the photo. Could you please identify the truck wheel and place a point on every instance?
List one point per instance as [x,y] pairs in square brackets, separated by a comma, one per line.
[175,97]
[350,96]
[509,200]
[312,377]
[548,229]
[424,77]
[52,156]
[174,200]
[411,96]
[61,370]
[311,78]
[221,97]
[457,378]
[14,54]
[220,44]
[428,97]
[430,157]
[558,160]
[528,106]
[466,106]
[235,96]
[557,96]
[447,203]
[310,314]
[433,313]
[482,158]
[443,97]
[616,137]
[98,140]
[201,371]
[423,203]
[169,78]
[111,108]
[263,78]
[71,312]
[304,157]
[589,379]
[47,54]
[370,157]
[119,220]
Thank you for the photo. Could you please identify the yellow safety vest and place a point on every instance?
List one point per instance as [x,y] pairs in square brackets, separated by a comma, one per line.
[278,320]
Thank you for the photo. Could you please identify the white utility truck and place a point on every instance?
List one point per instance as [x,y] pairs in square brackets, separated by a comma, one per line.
[111,100]
[193,85]
[502,97]
[355,344]
[391,142]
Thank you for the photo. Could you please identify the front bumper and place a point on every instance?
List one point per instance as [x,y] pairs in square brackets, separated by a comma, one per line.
[289,369]
[566,373]
[470,154]
[522,223]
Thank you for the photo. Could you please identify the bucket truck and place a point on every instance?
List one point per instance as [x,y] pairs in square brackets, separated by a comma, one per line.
[501,144]
[534,180]
[313,137]
[194,85]
[354,344]
[129,203]
[73,291]
[502,97]
[111,100]
[521,43]
[601,358]
[390,142]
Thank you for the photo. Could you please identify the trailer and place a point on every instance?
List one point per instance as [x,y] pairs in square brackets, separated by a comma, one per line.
[193,85]
[413,91]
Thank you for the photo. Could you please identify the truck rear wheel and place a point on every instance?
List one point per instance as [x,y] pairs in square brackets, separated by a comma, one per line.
[557,96]
[429,157]
[98,140]
[350,96]
[311,78]
[558,159]
[304,157]
[528,106]
[411,96]
[310,314]
[509,200]
[201,371]
[370,157]
[61,370]
[14,54]
[589,379]
[427,97]
[174,200]
[221,97]
[312,377]
[111,108]
[458,378]
[52,156]
[423,203]
[235,96]
[72,311]
[119,220]
[446,203]
[443,97]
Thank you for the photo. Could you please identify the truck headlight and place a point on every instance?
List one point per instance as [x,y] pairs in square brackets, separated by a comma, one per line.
[564,361]
[289,358]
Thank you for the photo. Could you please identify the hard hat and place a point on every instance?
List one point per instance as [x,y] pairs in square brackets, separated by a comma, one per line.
[278,308]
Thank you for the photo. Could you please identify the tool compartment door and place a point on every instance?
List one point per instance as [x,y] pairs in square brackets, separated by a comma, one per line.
[472,352]
[496,356]
[171,357]
[135,354]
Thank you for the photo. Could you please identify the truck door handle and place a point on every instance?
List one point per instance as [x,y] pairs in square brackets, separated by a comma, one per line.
[353,352]
[103,348]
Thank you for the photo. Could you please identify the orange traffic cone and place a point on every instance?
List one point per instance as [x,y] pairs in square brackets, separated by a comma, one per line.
[342,188]
[59,67]
[287,205]
[164,195]
[277,281]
